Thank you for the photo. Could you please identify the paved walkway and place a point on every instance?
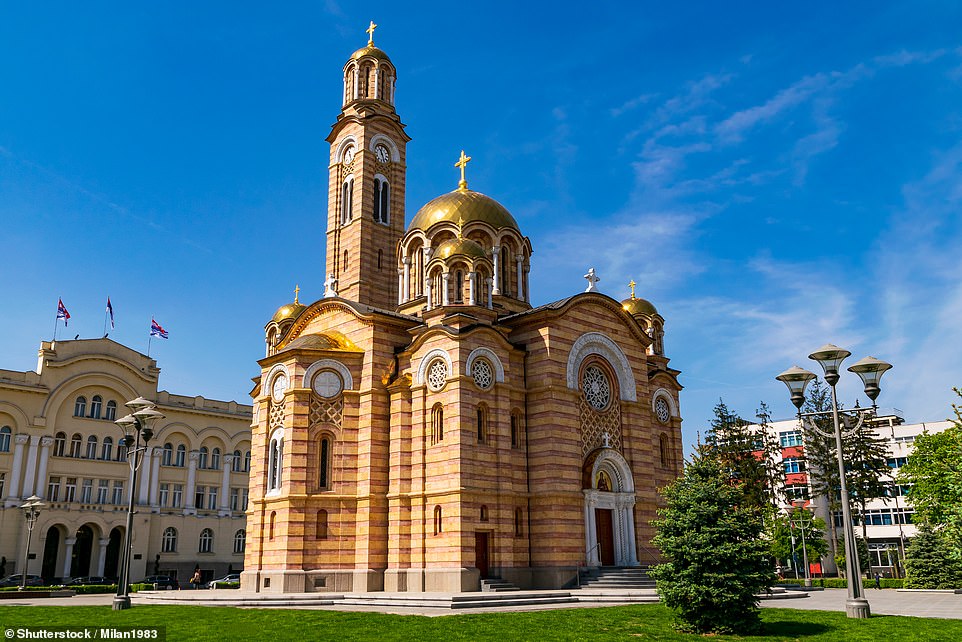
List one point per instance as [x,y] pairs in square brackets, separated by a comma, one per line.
[884,602]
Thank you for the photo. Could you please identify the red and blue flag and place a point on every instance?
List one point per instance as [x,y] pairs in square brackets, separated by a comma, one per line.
[156,330]
[62,312]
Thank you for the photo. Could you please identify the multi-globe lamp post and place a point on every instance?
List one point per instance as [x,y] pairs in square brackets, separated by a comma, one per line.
[870,370]
[138,428]
[31,512]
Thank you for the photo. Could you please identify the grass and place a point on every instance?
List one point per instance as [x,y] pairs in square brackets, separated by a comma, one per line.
[640,622]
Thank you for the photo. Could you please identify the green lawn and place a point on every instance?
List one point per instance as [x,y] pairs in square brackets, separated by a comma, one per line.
[641,622]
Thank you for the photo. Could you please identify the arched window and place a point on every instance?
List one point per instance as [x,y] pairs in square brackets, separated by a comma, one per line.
[215,459]
[518,517]
[270,530]
[324,464]
[382,196]
[247,461]
[121,450]
[237,464]
[91,447]
[458,286]
[344,262]
[240,541]
[347,200]
[111,411]
[274,458]
[80,407]
[664,450]
[437,423]
[5,433]
[168,543]
[95,405]
[437,520]
[168,457]
[206,543]
[380,255]
[76,442]
[59,444]
[107,451]
[484,513]
[181,455]
[482,424]
[320,525]
[202,457]
[505,272]
[514,430]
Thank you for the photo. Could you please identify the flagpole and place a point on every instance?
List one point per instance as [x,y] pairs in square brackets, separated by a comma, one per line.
[105,319]
[150,334]
[55,322]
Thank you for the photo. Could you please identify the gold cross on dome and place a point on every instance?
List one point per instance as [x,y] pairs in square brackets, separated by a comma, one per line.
[631,284]
[370,34]
[460,227]
[462,162]
[297,289]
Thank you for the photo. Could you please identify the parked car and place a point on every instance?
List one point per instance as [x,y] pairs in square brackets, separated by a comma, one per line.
[231,578]
[87,581]
[162,581]
[14,580]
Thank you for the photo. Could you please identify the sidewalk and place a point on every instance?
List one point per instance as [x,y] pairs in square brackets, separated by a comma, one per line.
[884,602]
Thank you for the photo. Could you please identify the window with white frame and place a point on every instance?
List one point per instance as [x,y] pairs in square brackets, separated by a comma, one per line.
[107,450]
[202,457]
[91,447]
[5,433]
[790,438]
[234,498]
[206,543]
[168,456]
[86,491]
[53,489]
[211,498]
[168,543]
[95,405]
[164,495]
[118,497]
[793,465]
[181,454]
[70,489]
[111,412]
[199,493]
[103,488]
[177,496]
[244,495]
[215,459]
[240,540]
[275,457]
[80,407]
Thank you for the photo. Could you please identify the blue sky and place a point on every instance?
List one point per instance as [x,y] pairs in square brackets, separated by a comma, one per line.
[774,176]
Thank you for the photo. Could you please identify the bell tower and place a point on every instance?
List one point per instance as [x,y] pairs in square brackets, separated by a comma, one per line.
[365,202]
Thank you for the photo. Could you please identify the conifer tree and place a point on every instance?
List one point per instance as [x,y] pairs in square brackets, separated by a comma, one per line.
[928,564]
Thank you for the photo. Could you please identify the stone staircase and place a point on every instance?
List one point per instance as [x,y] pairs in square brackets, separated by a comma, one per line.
[497,585]
[613,578]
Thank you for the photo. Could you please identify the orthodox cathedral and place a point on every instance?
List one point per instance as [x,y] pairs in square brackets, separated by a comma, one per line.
[422,427]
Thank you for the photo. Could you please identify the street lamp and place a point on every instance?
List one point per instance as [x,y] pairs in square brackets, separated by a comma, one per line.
[141,422]
[870,370]
[801,517]
[31,511]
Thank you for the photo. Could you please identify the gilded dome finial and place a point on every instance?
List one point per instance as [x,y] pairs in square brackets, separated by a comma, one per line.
[370,34]
[632,284]
[460,227]
[462,184]
[297,289]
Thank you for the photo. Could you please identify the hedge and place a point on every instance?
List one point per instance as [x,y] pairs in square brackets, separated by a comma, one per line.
[836,582]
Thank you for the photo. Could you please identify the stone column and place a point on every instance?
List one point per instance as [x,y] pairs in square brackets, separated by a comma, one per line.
[445,295]
[527,297]
[45,444]
[13,494]
[496,255]
[145,478]
[68,543]
[519,261]
[406,283]
[632,543]
[357,83]
[155,476]
[490,294]
[590,534]
[377,79]
[400,287]
[472,279]
[29,475]
[224,508]
[102,556]
[189,507]
[427,291]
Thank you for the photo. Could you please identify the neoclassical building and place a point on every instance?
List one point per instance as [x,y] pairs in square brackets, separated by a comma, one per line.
[58,441]
[423,426]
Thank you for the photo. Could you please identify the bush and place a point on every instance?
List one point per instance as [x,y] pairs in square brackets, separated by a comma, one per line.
[929,563]
[837,582]
[227,585]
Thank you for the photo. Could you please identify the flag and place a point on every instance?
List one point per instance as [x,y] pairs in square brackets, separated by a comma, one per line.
[110,311]
[156,330]
[62,312]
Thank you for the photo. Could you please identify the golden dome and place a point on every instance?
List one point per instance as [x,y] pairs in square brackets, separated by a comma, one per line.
[289,311]
[635,306]
[369,51]
[463,205]
[461,246]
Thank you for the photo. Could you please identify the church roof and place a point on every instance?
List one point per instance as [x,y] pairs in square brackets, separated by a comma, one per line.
[466,206]
[370,51]
[639,306]
[322,341]
[461,246]
[289,311]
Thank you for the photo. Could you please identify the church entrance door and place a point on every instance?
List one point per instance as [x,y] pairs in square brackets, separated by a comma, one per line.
[606,536]
[481,553]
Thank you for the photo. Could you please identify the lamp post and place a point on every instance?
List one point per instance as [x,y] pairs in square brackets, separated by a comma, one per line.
[870,370]
[802,521]
[141,422]
[31,511]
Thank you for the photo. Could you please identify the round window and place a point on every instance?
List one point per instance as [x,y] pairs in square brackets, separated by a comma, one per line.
[437,374]
[662,411]
[481,371]
[596,387]
[327,384]
[278,387]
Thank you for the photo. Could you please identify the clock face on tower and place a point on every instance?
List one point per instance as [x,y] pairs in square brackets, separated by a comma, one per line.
[278,387]
[348,154]
[382,154]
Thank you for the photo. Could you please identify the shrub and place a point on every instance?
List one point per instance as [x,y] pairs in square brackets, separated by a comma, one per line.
[929,563]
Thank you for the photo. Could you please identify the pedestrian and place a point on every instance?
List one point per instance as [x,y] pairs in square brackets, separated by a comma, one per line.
[878,581]
[196,579]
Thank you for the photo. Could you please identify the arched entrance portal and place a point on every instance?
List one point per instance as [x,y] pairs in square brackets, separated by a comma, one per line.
[80,561]
[51,548]
[609,510]
[112,564]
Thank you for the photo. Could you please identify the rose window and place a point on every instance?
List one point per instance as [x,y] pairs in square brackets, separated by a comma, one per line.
[437,374]
[327,384]
[662,411]
[596,387]
[481,371]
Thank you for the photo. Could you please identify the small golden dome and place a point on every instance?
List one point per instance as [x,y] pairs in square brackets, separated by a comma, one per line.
[635,306]
[289,311]
[466,206]
[369,51]
[461,246]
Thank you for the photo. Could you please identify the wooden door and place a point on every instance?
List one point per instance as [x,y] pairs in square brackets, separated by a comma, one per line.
[606,536]
[481,553]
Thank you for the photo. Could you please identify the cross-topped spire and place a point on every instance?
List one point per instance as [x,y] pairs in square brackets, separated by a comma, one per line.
[632,284]
[462,184]
[370,34]
[297,289]
[592,279]
[460,227]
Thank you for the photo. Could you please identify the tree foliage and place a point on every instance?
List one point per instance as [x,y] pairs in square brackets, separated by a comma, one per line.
[717,559]
[928,564]
[783,527]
